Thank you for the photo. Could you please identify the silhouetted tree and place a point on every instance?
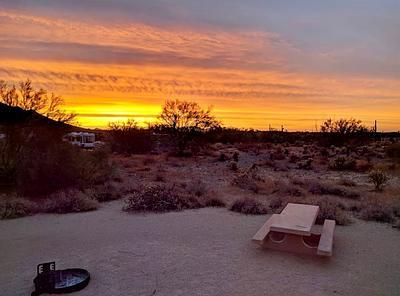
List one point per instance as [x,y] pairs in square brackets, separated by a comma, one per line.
[28,98]
[186,122]
[343,126]
[343,131]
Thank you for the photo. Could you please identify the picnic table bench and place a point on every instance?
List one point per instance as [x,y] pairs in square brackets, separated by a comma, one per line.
[294,230]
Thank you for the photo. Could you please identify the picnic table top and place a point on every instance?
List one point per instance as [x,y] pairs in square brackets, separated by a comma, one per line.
[296,219]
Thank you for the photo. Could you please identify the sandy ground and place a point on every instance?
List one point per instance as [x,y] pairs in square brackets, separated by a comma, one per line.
[197,252]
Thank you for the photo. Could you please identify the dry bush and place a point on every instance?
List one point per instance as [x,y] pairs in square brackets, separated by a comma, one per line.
[244,182]
[393,150]
[212,202]
[68,201]
[278,154]
[106,192]
[14,207]
[287,187]
[347,182]
[160,198]
[222,157]
[248,206]
[363,165]
[197,188]
[375,210]
[342,164]
[379,178]
[319,188]
[332,210]
[233,166]
[305,164]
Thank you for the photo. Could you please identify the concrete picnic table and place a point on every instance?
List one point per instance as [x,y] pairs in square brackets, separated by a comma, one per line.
[294,230]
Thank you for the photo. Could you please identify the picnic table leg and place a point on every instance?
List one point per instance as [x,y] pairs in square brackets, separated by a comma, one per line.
[292,243]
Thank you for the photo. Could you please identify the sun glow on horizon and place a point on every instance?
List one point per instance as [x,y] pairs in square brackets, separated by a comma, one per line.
[253,78]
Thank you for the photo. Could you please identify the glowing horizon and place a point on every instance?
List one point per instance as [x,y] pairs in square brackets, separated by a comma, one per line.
[254,73]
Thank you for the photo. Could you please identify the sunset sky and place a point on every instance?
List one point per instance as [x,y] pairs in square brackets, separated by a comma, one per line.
[258,62]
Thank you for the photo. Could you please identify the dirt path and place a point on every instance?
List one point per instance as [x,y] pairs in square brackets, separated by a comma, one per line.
[199,252]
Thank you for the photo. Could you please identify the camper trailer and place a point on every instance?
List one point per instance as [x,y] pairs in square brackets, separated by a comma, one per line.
[82,139]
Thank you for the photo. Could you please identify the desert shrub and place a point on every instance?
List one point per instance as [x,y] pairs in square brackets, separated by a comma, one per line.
[15,207]
[319,188]
[197,188]
[342,163]
[235,156]
[233,166]
[43,163]
[213,202]
[277,203]
[305,164]
[332,210]
[277,154]
[378,178]
[341,131]
[68,201]
[222,157]
[160,198]
[128,138]
[248,206]
[243,181]
[362,165]
[374,210]
[393,150]
[347,182]
[105,192]
[293,158]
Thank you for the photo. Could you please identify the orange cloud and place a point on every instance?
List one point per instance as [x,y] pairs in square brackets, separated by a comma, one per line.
[109,73]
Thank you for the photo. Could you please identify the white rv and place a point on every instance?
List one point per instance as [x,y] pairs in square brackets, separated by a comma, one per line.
[82,139]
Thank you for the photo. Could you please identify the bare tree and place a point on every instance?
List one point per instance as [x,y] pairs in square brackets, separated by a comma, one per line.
[185,121]
[28,98]
[8,94]
[343,126]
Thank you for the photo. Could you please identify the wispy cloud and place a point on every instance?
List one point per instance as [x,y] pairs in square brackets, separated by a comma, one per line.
[108,71]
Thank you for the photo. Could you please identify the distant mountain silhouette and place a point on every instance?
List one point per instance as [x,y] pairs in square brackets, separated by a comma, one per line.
[10,115]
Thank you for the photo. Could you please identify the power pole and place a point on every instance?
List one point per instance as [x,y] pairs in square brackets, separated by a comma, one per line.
[376,126]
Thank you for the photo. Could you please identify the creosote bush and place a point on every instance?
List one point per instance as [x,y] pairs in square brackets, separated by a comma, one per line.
[160,198]
[342,164]
[15,207]
[379,178]
[213,202]
[248,206]
[69,201]
[319,188]
[374,210]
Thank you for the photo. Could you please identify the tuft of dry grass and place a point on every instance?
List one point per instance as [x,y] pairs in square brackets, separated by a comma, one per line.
[248,206]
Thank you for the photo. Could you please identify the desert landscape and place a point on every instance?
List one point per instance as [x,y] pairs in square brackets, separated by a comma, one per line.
[210,148]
